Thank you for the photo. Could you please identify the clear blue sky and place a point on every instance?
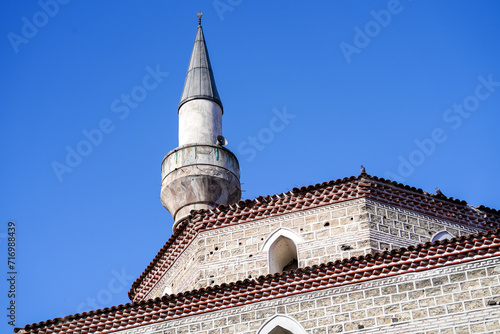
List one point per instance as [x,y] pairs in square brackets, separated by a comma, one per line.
[410,90]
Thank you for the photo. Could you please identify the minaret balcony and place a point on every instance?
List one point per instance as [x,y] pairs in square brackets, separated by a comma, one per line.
[200,154]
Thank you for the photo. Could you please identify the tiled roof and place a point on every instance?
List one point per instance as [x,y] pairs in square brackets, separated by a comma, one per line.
[334,274]
[313,196]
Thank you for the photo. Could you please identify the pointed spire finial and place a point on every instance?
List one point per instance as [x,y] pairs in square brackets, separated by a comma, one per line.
[199,14]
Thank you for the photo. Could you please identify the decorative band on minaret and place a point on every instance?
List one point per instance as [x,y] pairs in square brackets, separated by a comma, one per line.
[201,173]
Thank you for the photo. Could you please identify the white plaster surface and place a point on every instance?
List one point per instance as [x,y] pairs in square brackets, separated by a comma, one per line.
[200,122]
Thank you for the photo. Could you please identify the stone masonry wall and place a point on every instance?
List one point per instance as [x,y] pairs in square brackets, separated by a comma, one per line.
[392,227]
[452,299]
[337,231]
[233,253]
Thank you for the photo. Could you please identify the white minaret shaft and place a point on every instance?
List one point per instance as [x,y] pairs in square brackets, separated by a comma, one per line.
[200,173]
[200,122]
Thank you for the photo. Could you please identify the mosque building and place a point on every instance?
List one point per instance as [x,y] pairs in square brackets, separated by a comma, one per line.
[360,254]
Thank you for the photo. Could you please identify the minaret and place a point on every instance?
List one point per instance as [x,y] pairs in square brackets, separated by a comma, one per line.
[200,173]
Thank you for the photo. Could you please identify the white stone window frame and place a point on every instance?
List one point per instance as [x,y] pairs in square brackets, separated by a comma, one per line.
[284,322]
[441,235]
[274,236]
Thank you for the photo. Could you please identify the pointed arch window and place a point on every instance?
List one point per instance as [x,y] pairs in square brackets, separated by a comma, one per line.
[281,324]
[282,250]
[441,236]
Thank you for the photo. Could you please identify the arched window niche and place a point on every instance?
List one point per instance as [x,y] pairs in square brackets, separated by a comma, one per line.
[281,247]
[441,236]
[281,324]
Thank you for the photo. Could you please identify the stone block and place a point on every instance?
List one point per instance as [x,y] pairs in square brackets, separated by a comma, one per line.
[249,316]
[458,277]
[335,329]
[343,317]
[473,284]
[432,292]
[398,297]
[489,281]
[436,311]
[381,301]
[372,292]
[325,216]
[325,321]
[451,288]
[419,314]
[348,307]
[365,303]
[339,213]
[311,219]
[241,328]
[355,295]
[492,325]
[423,284]
[333,309]
[292,308]
[374,312]
[389,290]
[357,315]
[323,302]
[391,309]
[307,305]
[476,274]
[481,293]
[409,306]
[406,287]
[454,308]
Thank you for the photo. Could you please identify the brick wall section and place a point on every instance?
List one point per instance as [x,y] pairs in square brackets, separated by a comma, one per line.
[451,299]
[229,254]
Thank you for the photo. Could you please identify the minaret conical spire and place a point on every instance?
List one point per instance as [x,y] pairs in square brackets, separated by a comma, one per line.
[200,82]
[201,173]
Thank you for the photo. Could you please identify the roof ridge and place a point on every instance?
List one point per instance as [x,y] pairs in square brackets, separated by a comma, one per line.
[309,188]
